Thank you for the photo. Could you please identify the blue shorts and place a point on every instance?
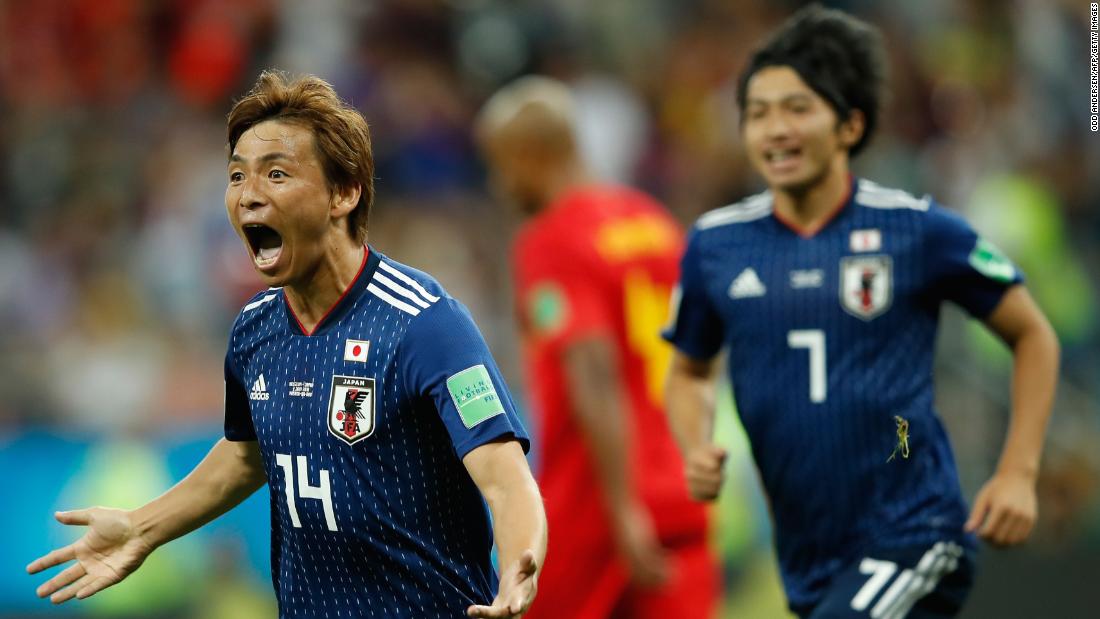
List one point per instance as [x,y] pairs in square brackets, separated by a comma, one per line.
[912,583]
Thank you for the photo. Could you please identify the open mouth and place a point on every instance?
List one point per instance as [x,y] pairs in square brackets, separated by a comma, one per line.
[265,242]
[781,155]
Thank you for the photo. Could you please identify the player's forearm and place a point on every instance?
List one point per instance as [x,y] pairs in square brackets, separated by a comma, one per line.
[601,416]
[501,473]
[1034,379]
[229,474]
[689,399]
[519,521]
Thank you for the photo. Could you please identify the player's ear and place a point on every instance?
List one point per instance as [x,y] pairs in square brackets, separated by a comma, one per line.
[851,129]
[344,200]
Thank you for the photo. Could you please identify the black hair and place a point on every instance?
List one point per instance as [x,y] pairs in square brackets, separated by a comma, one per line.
[839,56]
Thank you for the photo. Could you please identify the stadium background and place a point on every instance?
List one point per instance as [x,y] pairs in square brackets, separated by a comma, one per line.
[119,275]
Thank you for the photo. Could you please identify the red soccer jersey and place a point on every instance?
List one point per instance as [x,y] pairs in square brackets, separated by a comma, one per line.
[602,260]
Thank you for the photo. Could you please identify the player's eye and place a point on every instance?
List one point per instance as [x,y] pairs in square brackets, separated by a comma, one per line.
[277,174]
[236,177]
[757,112]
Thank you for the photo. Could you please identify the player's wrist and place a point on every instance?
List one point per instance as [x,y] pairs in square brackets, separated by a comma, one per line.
[1025,472]
[144,527]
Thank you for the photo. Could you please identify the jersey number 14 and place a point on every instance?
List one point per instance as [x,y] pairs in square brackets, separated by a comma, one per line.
[321,492]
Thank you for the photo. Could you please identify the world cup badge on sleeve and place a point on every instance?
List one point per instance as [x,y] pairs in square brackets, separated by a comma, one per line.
[866,285]
[351,408]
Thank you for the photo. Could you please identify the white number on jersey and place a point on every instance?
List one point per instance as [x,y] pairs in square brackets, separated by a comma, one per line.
[910,585]
[306,491]
[814,340]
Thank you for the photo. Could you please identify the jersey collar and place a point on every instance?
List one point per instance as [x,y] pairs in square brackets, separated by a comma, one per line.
[809,233]
[355,290]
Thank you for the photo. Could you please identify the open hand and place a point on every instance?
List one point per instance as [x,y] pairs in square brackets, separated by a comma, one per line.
[109,551]
[516,591]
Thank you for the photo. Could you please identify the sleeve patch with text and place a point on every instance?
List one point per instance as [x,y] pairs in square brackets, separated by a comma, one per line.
[474,395]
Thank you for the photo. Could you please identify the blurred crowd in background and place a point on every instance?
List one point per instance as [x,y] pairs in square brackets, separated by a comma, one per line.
[119,275]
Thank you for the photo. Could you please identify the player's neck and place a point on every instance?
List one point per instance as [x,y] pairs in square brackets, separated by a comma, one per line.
[808,209]
[563,180]
[313,297]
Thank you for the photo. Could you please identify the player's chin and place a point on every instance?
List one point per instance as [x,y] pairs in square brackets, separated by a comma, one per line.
[795,181]
[277,274]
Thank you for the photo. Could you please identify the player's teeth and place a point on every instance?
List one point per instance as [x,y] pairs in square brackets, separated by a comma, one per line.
[268,253]
[780,155]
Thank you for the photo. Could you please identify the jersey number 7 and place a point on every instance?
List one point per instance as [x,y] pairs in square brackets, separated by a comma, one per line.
[814,341]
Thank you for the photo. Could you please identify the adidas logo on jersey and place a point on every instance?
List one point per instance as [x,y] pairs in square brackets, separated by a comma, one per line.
[259,390]
[747,284]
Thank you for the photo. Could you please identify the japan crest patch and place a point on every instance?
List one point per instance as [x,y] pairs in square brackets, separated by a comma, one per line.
[866,285]
[351,408]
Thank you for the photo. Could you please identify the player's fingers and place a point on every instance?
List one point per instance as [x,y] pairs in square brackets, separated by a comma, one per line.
[714,458]
[1013,531]
[520,601]
[76,516]
[994,527]
[657,570]
[56,557]
[977,513]
[707,494]
[486,612]
[705,467]
[1020,528]
[67,577]
[94,587]
[705,487]
[69,592]
[527,564]
[719,454]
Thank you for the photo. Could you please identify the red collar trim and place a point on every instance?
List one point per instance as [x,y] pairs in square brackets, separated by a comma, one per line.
[808,233]
[363,265]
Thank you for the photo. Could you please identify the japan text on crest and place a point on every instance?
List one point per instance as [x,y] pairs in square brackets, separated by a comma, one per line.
[866,285]
[351,408]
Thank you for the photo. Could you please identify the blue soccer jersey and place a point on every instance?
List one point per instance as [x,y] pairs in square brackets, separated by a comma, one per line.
[830,343]
[363,424]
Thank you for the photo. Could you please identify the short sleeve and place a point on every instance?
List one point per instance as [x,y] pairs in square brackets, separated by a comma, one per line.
[563,299]
[695,327]
[238,415]
[444,358]
[963,267]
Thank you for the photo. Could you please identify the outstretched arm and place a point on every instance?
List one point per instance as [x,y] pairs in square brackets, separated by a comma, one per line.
[117,541]
[1005,509]
[690,399]
[500,471]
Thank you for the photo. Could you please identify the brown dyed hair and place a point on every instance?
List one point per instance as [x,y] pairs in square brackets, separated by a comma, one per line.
[340,133]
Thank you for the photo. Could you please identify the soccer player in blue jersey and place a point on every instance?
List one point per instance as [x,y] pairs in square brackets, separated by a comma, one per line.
[825,290]
[357,389]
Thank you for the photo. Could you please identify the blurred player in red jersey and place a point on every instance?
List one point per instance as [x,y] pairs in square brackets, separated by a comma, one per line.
[594,267]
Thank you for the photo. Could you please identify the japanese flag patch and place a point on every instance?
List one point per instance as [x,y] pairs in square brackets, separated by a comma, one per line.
[356,350]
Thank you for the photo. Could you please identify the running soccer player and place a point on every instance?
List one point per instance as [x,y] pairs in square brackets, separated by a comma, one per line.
[825,290]
[357,388]
[594,266]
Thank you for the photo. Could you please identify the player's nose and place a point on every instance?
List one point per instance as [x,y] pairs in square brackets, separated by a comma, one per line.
[776,128]
[251,195]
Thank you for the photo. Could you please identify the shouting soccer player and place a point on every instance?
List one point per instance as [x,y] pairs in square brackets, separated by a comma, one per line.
[825,290]
[357,388]
[594,267]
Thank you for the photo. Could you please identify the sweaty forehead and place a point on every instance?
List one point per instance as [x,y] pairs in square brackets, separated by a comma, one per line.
[274,135]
